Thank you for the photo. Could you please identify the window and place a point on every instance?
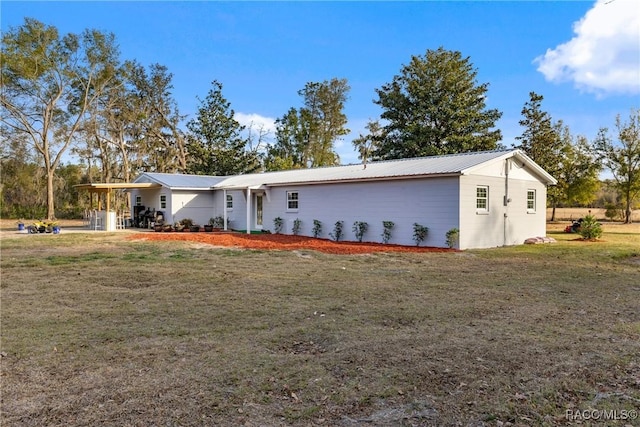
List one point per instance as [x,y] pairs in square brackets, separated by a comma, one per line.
[292,200]
[138,200]
[531,200]
[163,201]
[229,202]
[482,199]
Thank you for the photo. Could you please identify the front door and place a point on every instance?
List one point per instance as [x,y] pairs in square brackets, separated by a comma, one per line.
[259,211]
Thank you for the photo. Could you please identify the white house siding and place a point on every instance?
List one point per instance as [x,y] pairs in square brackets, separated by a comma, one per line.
[197,205]
[237,216]
[502,225]
[432,202]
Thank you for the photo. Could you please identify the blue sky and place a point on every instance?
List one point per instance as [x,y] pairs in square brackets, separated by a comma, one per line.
[582,56]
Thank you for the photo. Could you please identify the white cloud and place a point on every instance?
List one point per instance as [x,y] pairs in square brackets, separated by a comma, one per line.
[256,121]
[260,129]
[604,56]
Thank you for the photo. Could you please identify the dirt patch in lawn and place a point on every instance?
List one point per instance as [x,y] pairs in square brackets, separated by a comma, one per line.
[282,242]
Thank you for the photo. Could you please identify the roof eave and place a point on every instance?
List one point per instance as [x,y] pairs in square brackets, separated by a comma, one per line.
[338,181]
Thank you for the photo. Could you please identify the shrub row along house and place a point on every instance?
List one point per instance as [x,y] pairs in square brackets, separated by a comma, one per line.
[493,198]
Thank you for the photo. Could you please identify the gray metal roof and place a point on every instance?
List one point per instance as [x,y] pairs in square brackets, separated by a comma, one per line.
[455,164]
[180,181]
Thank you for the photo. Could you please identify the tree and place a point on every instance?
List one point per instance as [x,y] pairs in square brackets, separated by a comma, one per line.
[623,158]
[541,140]
[578,175]
[435,107]
[48,82]
[215,144]
[367,144]
[306,137]
[159,141]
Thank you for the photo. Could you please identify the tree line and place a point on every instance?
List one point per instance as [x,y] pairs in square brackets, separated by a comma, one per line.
[73,94]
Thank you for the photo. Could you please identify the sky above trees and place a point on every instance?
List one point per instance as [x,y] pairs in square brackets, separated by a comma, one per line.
[583,57]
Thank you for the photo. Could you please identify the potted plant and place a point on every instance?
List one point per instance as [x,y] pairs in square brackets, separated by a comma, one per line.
[194,228]
[217,223]
[187,223]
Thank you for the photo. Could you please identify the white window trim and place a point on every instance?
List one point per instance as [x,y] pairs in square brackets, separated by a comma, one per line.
[535,200]
[226,202]
[297,200]
[165,201]
[482,211]
[138,200]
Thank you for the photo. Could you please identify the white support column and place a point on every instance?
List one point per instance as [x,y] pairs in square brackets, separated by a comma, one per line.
[248,210]
[224,208]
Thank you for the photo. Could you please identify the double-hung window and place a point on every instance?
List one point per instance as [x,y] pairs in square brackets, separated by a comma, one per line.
[229,202]
[531,201]
[482,199]
[292,200]
[163,201]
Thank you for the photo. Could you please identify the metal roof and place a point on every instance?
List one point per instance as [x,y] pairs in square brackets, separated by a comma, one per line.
[180,181]
[449,165]
[456,164]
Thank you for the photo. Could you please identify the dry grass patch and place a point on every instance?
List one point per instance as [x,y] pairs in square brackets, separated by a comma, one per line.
[97,330]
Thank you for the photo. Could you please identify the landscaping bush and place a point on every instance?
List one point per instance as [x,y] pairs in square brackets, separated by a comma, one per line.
[337,231]
[297,225]
[452,237]
[386,233]
[359,228]
[590,229]
[317,228]
[419,233]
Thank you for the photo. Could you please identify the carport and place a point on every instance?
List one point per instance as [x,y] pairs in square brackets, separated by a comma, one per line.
[107,189]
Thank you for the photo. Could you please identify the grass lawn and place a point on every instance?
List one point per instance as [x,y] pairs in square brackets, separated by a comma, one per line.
[100,330]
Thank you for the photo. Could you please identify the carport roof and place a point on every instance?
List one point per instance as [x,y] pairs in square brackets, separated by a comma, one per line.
[104,187]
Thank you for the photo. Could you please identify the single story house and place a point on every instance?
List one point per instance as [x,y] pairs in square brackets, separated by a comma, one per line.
[494,198]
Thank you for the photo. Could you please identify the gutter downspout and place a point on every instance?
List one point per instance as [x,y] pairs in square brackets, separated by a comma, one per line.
[506,201]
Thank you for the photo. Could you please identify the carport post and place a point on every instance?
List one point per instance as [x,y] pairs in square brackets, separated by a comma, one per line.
[248,210]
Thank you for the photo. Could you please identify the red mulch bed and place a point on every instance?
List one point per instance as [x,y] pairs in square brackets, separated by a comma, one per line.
[281,242]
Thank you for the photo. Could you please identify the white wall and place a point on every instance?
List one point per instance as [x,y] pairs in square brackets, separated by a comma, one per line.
[430,202]
[199,206]
[503,225]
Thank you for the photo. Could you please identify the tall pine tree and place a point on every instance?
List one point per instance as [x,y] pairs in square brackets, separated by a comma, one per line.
[435,106]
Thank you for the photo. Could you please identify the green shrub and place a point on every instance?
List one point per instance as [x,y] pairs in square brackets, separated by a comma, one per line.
[317,228]
[419,233]
[613,212]
[297,224]
[337,231]
[277,225]
[452,237]
[359,228]
[386,233]
[590,228]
